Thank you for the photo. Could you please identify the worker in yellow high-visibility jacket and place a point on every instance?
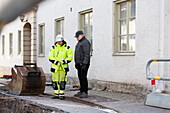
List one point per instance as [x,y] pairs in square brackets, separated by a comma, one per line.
[60,55]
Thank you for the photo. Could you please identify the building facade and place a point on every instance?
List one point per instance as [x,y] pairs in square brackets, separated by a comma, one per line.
[124,35]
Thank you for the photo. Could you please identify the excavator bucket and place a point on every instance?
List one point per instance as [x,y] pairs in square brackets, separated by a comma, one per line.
[27,80]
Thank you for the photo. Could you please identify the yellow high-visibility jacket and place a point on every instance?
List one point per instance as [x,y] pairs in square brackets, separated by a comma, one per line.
[60,56]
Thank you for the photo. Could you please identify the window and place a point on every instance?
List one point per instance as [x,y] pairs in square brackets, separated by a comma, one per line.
[19,42]
[60,26]
[3,45]
[125,14]
[10,44]
[86,25]
[42,39]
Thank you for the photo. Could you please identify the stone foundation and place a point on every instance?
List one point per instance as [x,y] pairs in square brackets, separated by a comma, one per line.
[111,86]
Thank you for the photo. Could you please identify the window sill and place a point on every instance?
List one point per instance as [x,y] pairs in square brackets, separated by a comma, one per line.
[20,54]
[41,55]
[124,54]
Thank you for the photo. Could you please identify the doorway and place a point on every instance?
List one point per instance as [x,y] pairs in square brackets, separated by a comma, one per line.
[27,43]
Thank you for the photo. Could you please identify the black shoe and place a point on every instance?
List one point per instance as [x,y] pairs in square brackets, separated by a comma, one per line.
[83,95]
[77,94]
[55,97]
[61,97]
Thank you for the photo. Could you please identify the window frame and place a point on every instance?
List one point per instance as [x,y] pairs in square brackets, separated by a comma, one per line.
[117,44]
[10,44]
[81,26]
[19,41]
[41,40]
[57,21]
[3,45]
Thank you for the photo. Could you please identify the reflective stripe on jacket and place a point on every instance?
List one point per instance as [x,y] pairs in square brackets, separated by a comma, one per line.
[58,54]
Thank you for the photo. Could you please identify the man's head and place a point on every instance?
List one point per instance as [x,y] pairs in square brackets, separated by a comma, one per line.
[79,35]
[59,39]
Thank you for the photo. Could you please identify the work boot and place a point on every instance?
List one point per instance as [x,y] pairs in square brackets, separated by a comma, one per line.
[61,97]
[77,94]
[55,97]
[83,95]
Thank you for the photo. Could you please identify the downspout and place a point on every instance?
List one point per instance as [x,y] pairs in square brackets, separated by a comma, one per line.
[161,44]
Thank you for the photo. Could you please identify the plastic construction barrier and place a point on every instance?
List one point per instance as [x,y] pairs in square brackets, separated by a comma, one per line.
[27,80]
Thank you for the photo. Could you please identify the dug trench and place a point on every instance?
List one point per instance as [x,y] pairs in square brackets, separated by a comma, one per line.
[10,104]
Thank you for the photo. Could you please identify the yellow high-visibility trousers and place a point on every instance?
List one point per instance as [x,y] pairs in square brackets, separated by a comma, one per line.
[59,79]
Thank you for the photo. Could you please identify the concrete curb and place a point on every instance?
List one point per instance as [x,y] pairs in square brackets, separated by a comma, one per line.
[75,99]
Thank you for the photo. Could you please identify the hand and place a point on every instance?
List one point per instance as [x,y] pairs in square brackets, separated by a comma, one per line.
[76,66]
[64,61]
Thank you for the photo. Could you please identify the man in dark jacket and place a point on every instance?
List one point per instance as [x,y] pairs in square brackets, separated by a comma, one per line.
[82,63]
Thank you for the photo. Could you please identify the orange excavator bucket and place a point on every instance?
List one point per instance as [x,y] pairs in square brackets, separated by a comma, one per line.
[27,80]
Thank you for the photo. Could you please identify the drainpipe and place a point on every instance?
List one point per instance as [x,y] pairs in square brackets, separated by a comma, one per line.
[11,9]
[161,43]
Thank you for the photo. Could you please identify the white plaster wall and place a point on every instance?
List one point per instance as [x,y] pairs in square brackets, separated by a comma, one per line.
[166,26]
[148,33]
[104,66]
[71,22]
[7,61]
